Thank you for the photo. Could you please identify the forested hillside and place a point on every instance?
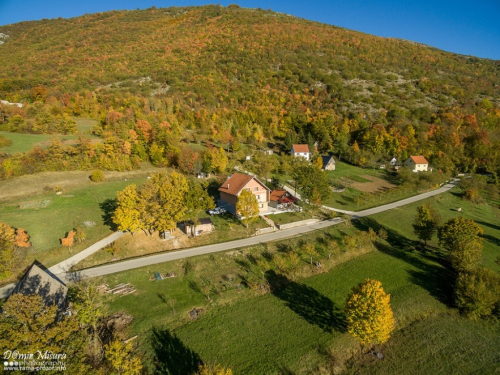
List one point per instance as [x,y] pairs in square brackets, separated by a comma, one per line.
[159,79]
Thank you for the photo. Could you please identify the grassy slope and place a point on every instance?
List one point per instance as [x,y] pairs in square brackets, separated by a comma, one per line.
[486,216]
[263,334]
[290,331]
[26,142]
[47,225]
[452,345]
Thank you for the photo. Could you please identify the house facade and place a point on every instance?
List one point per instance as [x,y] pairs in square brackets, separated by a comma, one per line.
[417,163]
[328,163]
[236,184]
[301,151]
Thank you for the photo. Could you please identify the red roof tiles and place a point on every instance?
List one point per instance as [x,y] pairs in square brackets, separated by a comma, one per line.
[419,160]
[300,148]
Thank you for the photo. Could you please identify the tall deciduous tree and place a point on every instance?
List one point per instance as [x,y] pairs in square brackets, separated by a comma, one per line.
[461,237]
[121,359]
[215,160]
[312,182]
[29,324]
[196,200]
[247,206]
[477,293]
[369,315]
[127,215]
[426,223]
[171,191]
[22,238]
[206,369]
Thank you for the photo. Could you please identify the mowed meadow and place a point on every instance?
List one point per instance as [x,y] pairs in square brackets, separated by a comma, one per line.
[31,202]
[299,327]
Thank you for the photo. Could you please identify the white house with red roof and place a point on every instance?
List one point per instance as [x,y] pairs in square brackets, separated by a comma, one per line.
[417,164]
[301,151]
[233,187]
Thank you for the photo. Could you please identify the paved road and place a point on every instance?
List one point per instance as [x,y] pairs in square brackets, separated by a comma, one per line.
[278,235]
[404,202]
[154,259]
[165,257]
[65,266]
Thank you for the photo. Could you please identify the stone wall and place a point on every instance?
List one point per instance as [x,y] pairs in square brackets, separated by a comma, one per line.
[297,224]
[264,230]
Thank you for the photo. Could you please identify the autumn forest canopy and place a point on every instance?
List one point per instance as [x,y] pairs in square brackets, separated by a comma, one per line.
[158,80]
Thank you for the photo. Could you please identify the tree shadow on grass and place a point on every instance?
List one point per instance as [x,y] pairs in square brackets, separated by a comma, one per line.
[495,241]
[171,356]
[307,302]
[108,208]
[432,272]
[493,226]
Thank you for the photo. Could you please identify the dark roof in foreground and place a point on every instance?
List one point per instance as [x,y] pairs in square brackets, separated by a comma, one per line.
[38,280]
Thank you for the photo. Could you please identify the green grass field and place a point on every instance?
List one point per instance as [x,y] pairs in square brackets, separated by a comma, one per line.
[299,329]
[487,216]
[290,217]
[48,217]
[26,142]
[452,345]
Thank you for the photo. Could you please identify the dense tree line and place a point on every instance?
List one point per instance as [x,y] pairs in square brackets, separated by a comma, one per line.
[232,76]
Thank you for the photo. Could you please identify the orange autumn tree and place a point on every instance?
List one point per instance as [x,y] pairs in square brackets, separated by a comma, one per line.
[22,238]
[69,240]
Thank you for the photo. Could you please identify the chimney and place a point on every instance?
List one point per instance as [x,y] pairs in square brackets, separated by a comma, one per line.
[228,186]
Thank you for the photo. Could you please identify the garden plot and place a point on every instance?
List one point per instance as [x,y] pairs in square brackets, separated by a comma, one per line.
[374,184]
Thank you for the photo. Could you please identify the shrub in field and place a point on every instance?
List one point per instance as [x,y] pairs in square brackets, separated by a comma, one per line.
[477,293]
[97,176]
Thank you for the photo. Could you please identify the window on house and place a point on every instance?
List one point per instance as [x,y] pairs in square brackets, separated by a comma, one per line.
[256,188]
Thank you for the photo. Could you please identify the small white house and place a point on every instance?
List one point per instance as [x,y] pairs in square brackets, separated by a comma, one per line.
[393,162]
[301,151]
[328,163]
[417,164]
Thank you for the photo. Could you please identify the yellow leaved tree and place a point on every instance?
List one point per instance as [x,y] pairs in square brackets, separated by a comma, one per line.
[213,370]
[369,314]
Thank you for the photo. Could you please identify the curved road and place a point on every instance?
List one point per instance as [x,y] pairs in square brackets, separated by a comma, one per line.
[278,235]
[154,259]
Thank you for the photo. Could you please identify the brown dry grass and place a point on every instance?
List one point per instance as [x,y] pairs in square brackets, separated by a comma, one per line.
[40,183]
[375,184]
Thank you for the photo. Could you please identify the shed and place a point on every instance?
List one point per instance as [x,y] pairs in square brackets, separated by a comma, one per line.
[204,226]
[328,163]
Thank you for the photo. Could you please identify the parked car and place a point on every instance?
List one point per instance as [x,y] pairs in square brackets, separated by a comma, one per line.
[217,211]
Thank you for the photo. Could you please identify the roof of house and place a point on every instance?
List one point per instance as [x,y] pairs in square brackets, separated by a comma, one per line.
[202,221]
[277,194]
[237,182]
[419,160]
[205,220]
[327,159]
[300,148]
[42,282]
